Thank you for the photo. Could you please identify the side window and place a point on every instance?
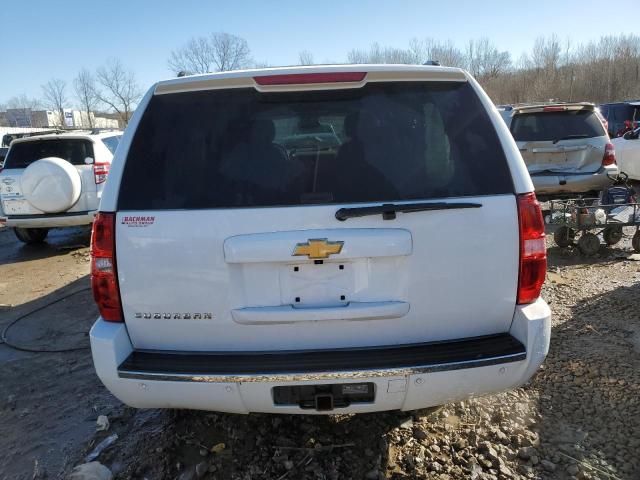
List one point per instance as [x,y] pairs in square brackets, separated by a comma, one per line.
[112,143]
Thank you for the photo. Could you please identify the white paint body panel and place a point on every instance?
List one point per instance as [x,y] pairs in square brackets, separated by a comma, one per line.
[459,275]
[628,156]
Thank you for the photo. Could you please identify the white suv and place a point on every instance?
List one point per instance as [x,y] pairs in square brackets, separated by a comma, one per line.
[392,260]
[54,180]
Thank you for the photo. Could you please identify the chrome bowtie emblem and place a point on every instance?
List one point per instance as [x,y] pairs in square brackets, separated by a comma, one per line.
[317,248]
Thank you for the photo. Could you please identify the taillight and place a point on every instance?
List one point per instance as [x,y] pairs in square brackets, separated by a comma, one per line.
[306,78]
[533,252]
[609,157]
[104,280]
[100,172]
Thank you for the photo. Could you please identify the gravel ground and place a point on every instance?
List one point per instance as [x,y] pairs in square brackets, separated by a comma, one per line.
[579,417]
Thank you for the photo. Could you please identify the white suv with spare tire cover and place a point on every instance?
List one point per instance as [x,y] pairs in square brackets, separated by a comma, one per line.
[54,180]
[334,239]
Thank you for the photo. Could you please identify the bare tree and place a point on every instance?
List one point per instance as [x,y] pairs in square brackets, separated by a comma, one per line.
[305,57]
[379,54]
[485,61]
[446,53]
[217,52]
[85,88]
[55,96]
[118,88]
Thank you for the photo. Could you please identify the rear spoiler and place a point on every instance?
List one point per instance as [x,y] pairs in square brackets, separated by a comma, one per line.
[558,107]
[302,78]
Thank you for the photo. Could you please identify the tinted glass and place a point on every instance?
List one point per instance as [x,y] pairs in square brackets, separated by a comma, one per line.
[529,127]
[23,154]
[382,142]
[112,142]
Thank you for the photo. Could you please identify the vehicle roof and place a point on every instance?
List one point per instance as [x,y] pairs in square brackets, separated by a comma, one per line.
[565,106]
[76,134]
[245,78]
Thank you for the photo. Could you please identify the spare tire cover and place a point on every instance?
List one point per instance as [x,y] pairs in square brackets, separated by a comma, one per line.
[51,184]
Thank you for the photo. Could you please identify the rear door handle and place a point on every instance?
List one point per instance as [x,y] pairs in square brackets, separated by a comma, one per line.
[290,314]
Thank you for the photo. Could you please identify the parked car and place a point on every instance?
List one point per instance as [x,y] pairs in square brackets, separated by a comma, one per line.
[565,147]
[54,180]
[621,116]
[232,277]
[628,153]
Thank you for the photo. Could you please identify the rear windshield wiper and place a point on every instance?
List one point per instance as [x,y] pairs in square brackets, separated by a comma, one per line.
[389,210]
[569,137]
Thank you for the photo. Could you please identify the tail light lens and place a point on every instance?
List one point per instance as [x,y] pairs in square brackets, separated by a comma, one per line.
[100,172]
[609,155]
[104,280]
[533,251]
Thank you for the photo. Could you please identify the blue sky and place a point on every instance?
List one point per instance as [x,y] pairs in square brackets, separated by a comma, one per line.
[40,40]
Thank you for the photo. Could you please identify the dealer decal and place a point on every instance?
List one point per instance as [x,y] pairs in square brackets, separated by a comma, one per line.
[138,221]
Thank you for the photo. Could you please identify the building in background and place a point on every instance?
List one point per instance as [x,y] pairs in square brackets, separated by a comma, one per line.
[29,118]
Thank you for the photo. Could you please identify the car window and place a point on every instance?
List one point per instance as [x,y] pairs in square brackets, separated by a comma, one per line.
[112,142]
[23,154]
[556,125]
[382,142]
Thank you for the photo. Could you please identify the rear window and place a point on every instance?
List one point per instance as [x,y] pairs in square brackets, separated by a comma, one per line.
[382,142]
[529,127]
[23,154]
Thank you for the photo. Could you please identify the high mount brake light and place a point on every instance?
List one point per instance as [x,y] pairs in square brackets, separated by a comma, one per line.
[104,279]
[307,78]
[533,252]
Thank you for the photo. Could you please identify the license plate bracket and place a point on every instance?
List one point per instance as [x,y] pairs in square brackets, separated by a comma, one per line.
[324,397]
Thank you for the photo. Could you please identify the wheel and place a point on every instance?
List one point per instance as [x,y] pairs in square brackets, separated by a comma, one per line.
[589,243]
[31,236]
[564,236]
[612,235]
[635,241]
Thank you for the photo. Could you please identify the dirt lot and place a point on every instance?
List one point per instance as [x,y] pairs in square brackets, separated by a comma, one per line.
[578,418]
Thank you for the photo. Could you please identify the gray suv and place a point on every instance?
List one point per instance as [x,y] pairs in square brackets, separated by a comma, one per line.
[565,147]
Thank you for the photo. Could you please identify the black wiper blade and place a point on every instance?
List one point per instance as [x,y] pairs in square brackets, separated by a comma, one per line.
[389,210]
[569,137]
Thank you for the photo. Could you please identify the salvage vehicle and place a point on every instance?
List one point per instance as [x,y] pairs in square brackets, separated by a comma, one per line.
[566,149]
[54,180]
[399,270]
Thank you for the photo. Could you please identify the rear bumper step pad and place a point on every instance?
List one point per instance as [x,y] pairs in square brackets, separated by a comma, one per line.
[329,364]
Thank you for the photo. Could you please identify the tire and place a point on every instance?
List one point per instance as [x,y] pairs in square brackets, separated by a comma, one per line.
[51,185]
[612,235]
[589,243]
[564,236]
[635,241]
[31,236]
